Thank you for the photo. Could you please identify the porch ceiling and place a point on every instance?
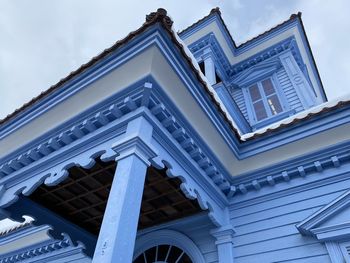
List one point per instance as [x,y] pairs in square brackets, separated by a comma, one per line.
[82,198]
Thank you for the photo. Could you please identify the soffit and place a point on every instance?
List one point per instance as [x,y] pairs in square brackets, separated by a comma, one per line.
[82,197]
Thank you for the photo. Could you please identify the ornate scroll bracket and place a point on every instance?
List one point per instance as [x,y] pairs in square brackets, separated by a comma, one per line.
[192,189]
[52,172]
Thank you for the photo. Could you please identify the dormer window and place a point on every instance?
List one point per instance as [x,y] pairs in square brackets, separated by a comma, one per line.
[265,100]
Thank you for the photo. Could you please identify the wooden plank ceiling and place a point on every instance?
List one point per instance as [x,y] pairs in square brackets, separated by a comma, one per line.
[82,198]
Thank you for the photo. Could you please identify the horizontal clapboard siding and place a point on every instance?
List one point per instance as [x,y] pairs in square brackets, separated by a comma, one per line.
[266,232]
[237,95]
[289,91]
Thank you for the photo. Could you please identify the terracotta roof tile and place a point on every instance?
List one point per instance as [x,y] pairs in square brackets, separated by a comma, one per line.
[150,20]
[216,10]
[161,17]
[156,17]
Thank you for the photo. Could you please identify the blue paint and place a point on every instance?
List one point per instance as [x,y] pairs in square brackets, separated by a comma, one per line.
[168,237]
[295,210]
[57,250]
[59,225]
[237,50]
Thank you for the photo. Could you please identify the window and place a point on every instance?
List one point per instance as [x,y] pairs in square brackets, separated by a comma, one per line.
[164,254]
[265,101]
[166,246]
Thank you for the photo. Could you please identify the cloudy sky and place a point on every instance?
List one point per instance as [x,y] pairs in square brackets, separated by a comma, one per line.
[42,41]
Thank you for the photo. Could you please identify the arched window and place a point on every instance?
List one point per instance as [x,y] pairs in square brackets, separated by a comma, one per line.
[163,253]
[165,246]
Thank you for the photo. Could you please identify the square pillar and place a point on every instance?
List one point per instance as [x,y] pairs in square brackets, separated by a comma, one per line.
[117,236]
[209,66]
[224,243]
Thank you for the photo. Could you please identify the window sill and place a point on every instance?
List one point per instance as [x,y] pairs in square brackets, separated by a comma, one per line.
[270,120]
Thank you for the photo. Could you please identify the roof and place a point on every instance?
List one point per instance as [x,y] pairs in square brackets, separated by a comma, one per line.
[161,17]
[297,16]
[11,226]
[217,11]
[301,116]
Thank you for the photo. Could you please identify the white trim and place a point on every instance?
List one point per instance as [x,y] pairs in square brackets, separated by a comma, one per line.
[168,237]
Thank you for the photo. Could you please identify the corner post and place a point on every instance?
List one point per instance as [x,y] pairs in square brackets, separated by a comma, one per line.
[209,66]
[224,243]
[117,236]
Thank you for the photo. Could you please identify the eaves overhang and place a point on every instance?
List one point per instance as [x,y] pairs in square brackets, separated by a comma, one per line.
[160,17]
[240,143]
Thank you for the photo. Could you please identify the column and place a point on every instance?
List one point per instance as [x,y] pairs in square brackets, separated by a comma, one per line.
[224,243]
[209,66]
[116,239]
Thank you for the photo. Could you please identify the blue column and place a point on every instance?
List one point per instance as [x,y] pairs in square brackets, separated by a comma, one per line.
[209,66]
[116,239]
[224,243]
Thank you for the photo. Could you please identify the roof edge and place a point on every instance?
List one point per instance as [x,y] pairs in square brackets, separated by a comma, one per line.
[159,16]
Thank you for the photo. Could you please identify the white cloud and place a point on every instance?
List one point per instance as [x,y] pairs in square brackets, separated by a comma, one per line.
[42,41]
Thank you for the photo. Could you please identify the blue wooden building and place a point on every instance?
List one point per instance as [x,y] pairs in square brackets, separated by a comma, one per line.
[181,147]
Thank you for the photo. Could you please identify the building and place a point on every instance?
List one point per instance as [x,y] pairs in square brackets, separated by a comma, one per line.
[181,147]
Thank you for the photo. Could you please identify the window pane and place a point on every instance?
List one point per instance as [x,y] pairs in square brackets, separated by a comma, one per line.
[254,92]
[260,111]
[268,87]
[274,104]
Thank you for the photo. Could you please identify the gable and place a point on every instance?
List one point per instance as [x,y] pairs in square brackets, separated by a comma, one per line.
[257,72]
[332,222]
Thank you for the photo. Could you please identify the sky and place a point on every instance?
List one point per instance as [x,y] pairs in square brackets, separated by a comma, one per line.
[42,41]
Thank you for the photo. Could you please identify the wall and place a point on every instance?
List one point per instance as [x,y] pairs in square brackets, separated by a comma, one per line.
[197,229]
[238,97]
[289,91]
[265,224]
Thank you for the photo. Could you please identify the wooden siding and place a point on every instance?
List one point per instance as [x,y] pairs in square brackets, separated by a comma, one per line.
[238,97]
[266,232]
[289,91]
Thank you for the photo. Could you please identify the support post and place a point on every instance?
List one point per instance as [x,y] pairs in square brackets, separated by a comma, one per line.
[224,243]
[209,67]
[116,239]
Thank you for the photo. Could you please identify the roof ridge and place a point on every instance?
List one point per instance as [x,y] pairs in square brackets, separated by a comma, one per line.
[291,17]
[159,16]
[217,10]
[212,11]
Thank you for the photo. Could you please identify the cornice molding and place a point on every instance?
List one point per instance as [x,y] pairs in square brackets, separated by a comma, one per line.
[101,119]
[315,163]
[44,251]
[311,225]
[111,140]
[267,67]
[199,47]
[87,127]
[288,44]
